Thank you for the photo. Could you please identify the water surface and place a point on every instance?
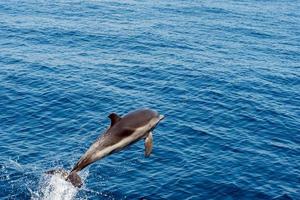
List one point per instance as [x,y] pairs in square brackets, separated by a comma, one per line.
[225,74]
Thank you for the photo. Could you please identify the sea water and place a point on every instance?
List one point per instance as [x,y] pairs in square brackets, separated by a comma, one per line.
[224,73]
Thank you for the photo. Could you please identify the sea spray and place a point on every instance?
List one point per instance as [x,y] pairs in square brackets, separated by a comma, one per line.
[55,187]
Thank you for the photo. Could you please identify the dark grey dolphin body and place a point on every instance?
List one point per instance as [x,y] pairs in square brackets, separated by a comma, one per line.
[123,131]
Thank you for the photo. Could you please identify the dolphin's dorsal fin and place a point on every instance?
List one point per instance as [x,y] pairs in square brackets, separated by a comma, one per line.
[114,118]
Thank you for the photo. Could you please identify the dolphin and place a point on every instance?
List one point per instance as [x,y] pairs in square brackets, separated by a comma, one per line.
[122,132]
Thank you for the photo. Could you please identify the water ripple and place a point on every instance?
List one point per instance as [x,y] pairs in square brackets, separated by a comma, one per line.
[225,75]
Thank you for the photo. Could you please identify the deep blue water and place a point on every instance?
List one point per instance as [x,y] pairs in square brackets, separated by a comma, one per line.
[226,74]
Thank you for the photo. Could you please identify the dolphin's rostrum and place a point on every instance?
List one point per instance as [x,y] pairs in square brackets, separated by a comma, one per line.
[123,131]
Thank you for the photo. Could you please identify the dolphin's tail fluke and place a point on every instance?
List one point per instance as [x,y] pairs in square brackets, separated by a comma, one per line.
[75,179]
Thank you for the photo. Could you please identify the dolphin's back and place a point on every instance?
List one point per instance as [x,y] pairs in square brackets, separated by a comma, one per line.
[137,119]
[126,126]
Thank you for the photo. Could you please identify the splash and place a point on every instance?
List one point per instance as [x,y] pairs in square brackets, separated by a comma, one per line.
[54,187]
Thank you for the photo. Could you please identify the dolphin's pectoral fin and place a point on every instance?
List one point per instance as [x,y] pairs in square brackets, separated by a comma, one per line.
[148,144]
[114,118]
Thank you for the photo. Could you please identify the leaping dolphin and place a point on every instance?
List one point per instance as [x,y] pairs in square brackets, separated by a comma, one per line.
[122,132]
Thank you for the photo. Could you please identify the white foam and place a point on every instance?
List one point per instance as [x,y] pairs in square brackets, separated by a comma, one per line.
[53,187]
